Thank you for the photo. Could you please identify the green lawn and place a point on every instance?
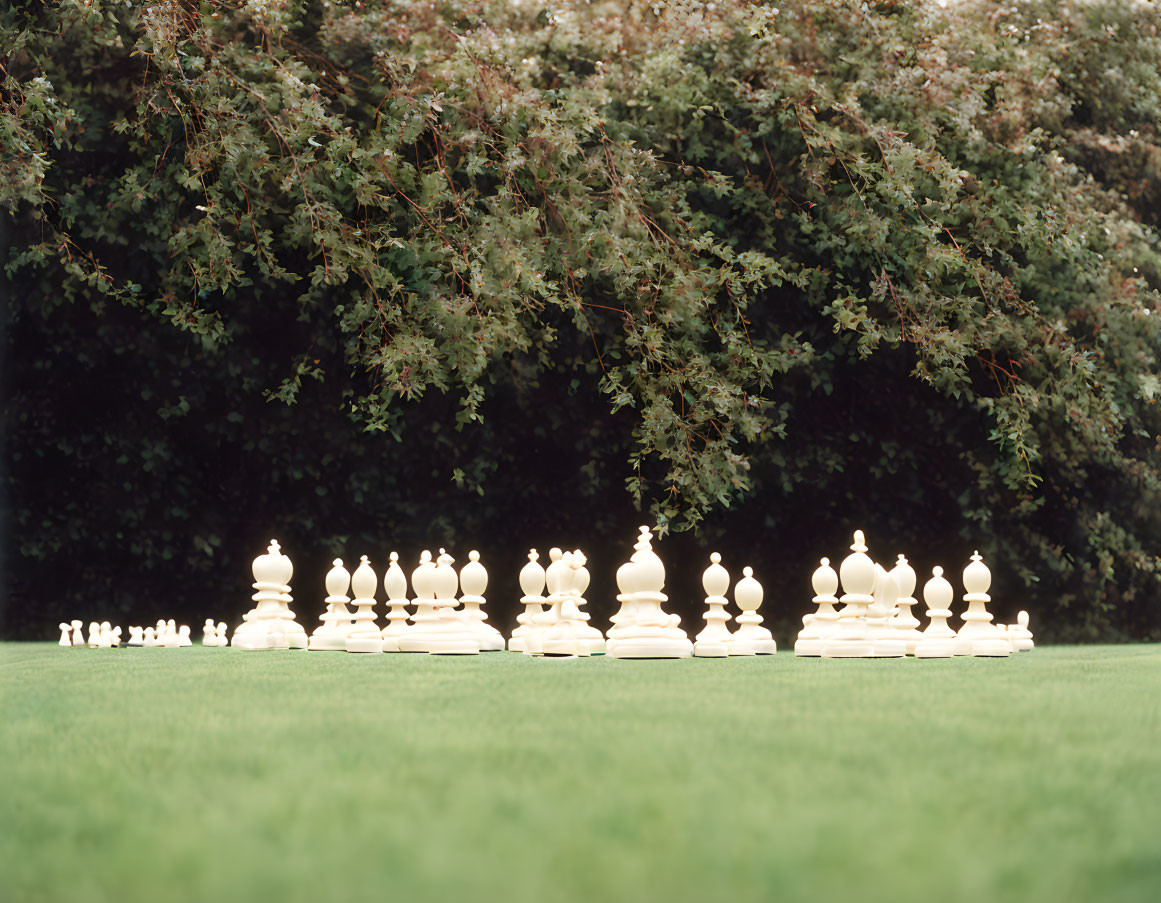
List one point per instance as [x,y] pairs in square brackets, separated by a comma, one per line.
[214,774]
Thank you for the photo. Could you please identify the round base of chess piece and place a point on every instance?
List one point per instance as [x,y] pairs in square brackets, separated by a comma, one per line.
[452,646]
[490,643]
[932,648]
[994,647]
[649,647]
[569,647]
[373,644]
[857,649]
[595,645]
[390,643]
[808,648]
[962,645]
[758,647]
[327,643]
[516,644]
[297,640]
[710,649]
[889,648]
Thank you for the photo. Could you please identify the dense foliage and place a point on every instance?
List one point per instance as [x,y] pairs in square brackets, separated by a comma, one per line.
[419,273]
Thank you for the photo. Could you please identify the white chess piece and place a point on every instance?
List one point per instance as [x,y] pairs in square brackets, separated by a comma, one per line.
[271,623]
[78,633]
[115,638]
[159,631]
[473,583]
[136,637]
[364,635]
[571,634]
[714,639]
[94,634]
[453,636]
[978,636]
[65,634]
[557,576]
[857,573]
[818,626]
[395,583]
[421,632]
[905,625]
[183,634]
[105,638]
[938,639]
[880,614]
[331,634]
[751,638]
[642,628]
[222,639]
[532,582]
[209,634]
[172,635]
[1021,635]
[150,638]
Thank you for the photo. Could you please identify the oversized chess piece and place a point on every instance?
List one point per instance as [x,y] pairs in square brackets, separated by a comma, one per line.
[419,635]
[1021,636]
[136,636]
[395,584]
[642,628]
[222,640]
[532,582]
[94,634]
[364,635]
[857,573]
[172,635]
[714,639]
[818,626]
[271,624]
[570,634]
[209,634]
[905,626]
[183,634]
[751,638]
[78,633]
[105,639]
[473,583]
[331,635]
[66,638]
[978,636]
[557,578]
[149,638]
[880,613]
[938,639]
[452,634]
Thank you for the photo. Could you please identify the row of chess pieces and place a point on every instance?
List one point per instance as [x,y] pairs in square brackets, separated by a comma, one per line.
[876,619]
[104,635]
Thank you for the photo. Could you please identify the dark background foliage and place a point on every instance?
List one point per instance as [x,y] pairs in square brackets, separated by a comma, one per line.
[393,275]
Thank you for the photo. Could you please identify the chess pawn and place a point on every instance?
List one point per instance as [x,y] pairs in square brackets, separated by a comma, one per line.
[714,639]
[473,583]
[938,639]
[453,636]
[364,635]
[222,641]
[419,635]
[183,633]
[532,583]
[172,635]
[159,631]
[642,628]
[209,634]
[135,637]
[557,576]
[979,636]
[880,613]
[105,639]
[559,637]
[905,625]
[817,626]
[395,584]
[331,635]
[591,638]
[1021,636]
[94,634]
[857,573]
[115,638]
[751,638]
[78,633]
[150,638]
[65,634]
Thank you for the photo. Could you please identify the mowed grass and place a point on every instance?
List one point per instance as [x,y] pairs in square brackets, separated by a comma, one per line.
[215,774]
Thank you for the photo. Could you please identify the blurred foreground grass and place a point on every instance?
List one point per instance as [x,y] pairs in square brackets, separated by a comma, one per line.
[203,774]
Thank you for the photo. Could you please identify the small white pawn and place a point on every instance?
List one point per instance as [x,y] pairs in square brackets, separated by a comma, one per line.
[905,625]
[159,631]
[395,583]
[1021,635]
[136,637]
[452,635]
[94,634]
[364,635]
[331,635]
[182,633]
[172,636]
[115,638]
[473,583]
[714,639]
[817,626]
[750,638]
[65,634]
[105,638]
[938,639]
[78,633]
[532,583]
[150,638]
[209,634]
[222,640]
